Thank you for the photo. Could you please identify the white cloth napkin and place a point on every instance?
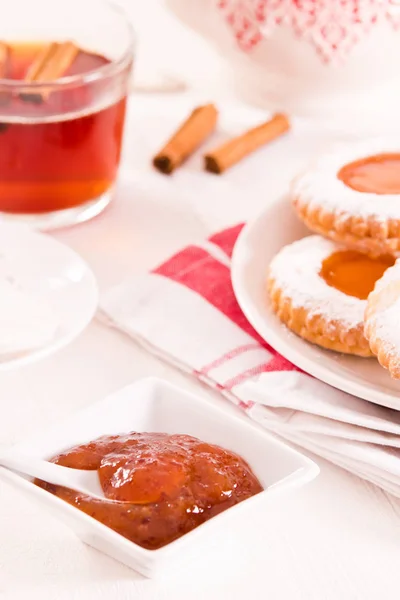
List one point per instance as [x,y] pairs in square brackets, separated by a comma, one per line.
[185,312]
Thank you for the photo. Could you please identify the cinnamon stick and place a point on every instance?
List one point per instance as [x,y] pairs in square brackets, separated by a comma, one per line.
[5,97]
[197,127]
[4,60]
[225,156]
[51,63]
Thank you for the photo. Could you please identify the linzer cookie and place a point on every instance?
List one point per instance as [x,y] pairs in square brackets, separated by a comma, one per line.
[352,196]
[319,290]
[382,322]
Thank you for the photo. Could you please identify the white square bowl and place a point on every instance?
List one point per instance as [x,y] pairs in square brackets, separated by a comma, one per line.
[154,405]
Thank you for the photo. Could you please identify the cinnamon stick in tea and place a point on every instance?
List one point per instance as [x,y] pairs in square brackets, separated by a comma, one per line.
[4,60]
[5,56]
[5,96]
[197,127]
[223,157]
[51,63]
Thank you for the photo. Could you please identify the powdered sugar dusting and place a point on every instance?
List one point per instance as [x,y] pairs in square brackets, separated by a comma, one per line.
[387,329]
[320,184]
[384,323]
[391,275]
[296,271]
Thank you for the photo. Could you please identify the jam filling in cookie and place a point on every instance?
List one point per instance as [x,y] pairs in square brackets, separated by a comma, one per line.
[353,273]
[379,174]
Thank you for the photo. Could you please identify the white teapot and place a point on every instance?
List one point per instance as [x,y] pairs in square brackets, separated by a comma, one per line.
[334,69]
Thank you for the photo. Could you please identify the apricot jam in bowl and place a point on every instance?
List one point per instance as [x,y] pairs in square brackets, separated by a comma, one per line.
[64,76]
[178,494]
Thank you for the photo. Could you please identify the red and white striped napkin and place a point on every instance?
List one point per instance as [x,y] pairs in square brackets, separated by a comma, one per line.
[185,311]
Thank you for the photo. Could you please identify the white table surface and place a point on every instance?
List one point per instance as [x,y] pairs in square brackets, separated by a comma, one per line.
[335,539]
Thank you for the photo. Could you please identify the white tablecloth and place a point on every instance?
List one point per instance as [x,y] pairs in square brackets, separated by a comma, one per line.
[337,538]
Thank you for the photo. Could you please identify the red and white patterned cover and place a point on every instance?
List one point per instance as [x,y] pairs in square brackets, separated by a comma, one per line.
[186,313]
[332,26]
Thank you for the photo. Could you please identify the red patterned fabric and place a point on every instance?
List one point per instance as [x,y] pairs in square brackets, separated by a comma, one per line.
[199,271]
[332,26]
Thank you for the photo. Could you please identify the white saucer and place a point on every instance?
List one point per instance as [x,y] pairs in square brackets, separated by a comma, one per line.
[39,265]
[259,241]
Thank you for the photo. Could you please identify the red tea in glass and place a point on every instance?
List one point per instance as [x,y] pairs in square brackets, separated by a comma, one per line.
[60,138]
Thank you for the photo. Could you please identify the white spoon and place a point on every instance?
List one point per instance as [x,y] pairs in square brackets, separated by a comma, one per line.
[86,482]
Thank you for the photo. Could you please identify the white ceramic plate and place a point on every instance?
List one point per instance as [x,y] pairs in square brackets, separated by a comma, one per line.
[45,267]
[153,405]
[257,244]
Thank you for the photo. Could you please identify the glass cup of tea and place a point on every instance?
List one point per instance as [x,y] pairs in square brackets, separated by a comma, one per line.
[64,76]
